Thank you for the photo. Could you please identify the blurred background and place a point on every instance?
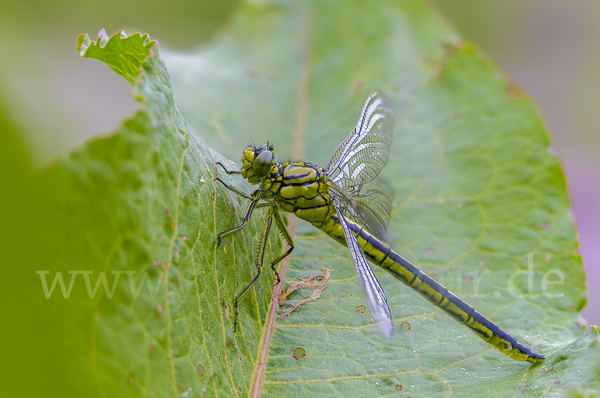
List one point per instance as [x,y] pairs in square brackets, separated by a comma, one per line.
[550,48]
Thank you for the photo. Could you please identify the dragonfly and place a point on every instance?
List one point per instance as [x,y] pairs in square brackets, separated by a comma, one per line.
[345,201]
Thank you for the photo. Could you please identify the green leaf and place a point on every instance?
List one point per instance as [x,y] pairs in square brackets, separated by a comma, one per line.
[124,57]
[477,196]
[139,210]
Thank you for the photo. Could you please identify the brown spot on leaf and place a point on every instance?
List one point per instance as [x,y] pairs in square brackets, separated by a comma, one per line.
[430,250]
[200,371]
[184,238]
[299,353]
[398,387]
[545,225]
[160,309]
[361,309]
[405,325]
[167,213]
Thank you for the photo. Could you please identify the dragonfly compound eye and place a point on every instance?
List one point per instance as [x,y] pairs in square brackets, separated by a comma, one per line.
[262,164]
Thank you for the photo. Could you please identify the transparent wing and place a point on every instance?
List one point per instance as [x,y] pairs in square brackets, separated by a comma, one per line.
[369,206]
[358,160]
[376,299]
[362,155]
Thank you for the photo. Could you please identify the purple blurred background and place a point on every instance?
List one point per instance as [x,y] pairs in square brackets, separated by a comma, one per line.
[548,47]
[551,49]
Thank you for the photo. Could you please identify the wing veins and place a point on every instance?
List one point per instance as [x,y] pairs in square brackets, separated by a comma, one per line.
[376,300]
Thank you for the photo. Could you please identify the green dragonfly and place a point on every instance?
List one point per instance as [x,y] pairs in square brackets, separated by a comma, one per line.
[345,201]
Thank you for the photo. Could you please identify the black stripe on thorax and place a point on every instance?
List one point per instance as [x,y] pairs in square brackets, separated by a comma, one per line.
[317,169]
[310,208]
[298,176]
[299,184]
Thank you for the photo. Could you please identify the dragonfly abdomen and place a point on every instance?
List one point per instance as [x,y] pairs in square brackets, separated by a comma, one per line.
[381,254]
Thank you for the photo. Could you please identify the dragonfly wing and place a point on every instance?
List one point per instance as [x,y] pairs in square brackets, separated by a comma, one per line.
[376,299]
[370,207]
[358,160]
[364,152]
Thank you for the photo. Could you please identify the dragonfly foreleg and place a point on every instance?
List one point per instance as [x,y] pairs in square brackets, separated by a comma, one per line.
[253,205]
[259,262]
[227,171]
[232,188]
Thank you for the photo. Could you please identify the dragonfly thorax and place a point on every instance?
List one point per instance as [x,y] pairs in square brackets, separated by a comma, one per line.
[257,163]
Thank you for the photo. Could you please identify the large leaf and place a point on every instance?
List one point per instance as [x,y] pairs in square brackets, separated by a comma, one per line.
[477,196]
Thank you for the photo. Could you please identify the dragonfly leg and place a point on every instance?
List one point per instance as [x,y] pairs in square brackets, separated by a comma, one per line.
[288,239]
[253,205]
[227,171]
[232,188]
[259,262]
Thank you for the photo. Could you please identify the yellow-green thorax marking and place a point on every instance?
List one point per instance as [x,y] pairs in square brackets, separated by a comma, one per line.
[299,188]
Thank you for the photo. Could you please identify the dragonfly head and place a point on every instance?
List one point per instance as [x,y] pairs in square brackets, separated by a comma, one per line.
[258,162]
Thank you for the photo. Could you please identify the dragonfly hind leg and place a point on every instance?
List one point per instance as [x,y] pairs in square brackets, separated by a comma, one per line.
[259,262]
[288,239]
[273,213]
[266,229]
